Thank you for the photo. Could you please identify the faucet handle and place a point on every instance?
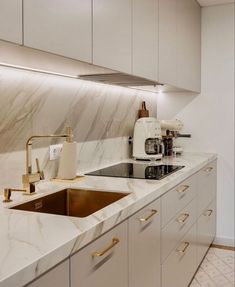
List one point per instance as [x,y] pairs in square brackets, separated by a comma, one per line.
[41,173]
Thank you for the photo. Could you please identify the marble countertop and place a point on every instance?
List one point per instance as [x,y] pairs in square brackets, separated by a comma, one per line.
[32,243]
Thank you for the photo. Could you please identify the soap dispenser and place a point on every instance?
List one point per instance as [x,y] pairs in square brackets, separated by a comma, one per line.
[68,158]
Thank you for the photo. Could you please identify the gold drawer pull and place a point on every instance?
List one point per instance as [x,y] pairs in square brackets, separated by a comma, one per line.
[182,250]
[115,241]
[208,212]
[209,169]
[183,188]
[153,212]
[182,218]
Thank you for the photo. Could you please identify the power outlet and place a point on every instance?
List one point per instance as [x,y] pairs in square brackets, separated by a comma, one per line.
[55,151]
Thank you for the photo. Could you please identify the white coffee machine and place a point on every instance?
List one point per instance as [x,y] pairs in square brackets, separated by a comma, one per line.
[147,139]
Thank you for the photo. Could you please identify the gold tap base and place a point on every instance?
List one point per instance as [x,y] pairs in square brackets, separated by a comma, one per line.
[28,193]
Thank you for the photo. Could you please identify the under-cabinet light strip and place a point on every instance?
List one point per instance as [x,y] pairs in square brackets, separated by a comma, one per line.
[37,70]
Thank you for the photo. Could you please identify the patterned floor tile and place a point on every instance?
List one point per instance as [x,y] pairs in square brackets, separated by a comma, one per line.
[216,270]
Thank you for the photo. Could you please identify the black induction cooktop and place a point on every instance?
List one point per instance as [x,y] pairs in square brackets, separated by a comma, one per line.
[137,170]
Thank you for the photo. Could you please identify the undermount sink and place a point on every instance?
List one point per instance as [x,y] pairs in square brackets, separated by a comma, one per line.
[72,202]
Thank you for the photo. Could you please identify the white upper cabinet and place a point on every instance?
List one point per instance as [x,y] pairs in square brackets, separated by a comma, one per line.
[112,33]
[167,42]
[145,39]
[189,45]
[11,20]
[60,27]
[180,43]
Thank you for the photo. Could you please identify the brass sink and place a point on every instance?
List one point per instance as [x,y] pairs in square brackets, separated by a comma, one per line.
[72,202]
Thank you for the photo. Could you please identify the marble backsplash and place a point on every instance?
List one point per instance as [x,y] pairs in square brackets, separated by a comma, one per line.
[102,118]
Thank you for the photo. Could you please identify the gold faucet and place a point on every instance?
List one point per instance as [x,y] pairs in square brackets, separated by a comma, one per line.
[29,178]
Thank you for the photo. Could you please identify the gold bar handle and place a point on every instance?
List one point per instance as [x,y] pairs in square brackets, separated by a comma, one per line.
[208,212]
[182,218]
[153,212]
[183,188]
[185,247]
[115,241]
[208,169]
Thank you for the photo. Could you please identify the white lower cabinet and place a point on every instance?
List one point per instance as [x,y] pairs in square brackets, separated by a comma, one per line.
[206,228]
[103,263]
[144,247]
[58,276]
[180,266]
[161,245]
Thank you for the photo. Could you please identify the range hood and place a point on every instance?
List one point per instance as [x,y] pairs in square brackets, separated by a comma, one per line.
[20,57]
[119,79]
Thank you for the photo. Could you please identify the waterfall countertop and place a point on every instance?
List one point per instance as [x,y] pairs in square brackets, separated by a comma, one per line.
[32,243]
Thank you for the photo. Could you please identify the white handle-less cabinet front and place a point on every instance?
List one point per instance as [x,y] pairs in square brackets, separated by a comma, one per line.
[180,44]
[167,42]
[11,20]
[145,39]
[189,45]
[112,32]
[102,263]
[144,247]
[59,27]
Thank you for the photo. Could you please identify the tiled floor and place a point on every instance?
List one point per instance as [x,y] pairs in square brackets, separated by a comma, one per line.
[217,269]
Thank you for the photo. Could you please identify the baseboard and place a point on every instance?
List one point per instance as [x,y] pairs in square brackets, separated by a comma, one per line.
[224,241]
[223,247]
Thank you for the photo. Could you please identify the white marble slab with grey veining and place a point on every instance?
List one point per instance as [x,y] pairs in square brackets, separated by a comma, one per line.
[32,243]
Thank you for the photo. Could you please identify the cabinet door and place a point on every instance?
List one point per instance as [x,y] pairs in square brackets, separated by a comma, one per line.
[167,42]
[188,45]
[180,43]
[11,20]
[145,39]
[112,34]
[102,263]
[144,247]
[60,27]
[206,228]
[58,276]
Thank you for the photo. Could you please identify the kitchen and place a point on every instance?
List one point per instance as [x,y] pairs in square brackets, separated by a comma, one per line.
[41,56]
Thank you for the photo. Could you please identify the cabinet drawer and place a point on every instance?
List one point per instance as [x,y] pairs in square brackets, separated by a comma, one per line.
[180,266]
[103,262]
[206,228]
[177,227]
[58,276]
[206,179]
[177,198]
[144,247]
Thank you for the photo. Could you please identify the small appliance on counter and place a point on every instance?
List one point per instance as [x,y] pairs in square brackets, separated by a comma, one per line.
[147,139]
[170,131]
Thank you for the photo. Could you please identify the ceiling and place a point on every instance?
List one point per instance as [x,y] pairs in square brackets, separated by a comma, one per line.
[214,2]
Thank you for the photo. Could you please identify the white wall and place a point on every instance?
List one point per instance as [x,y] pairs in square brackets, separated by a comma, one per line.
[210,116]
